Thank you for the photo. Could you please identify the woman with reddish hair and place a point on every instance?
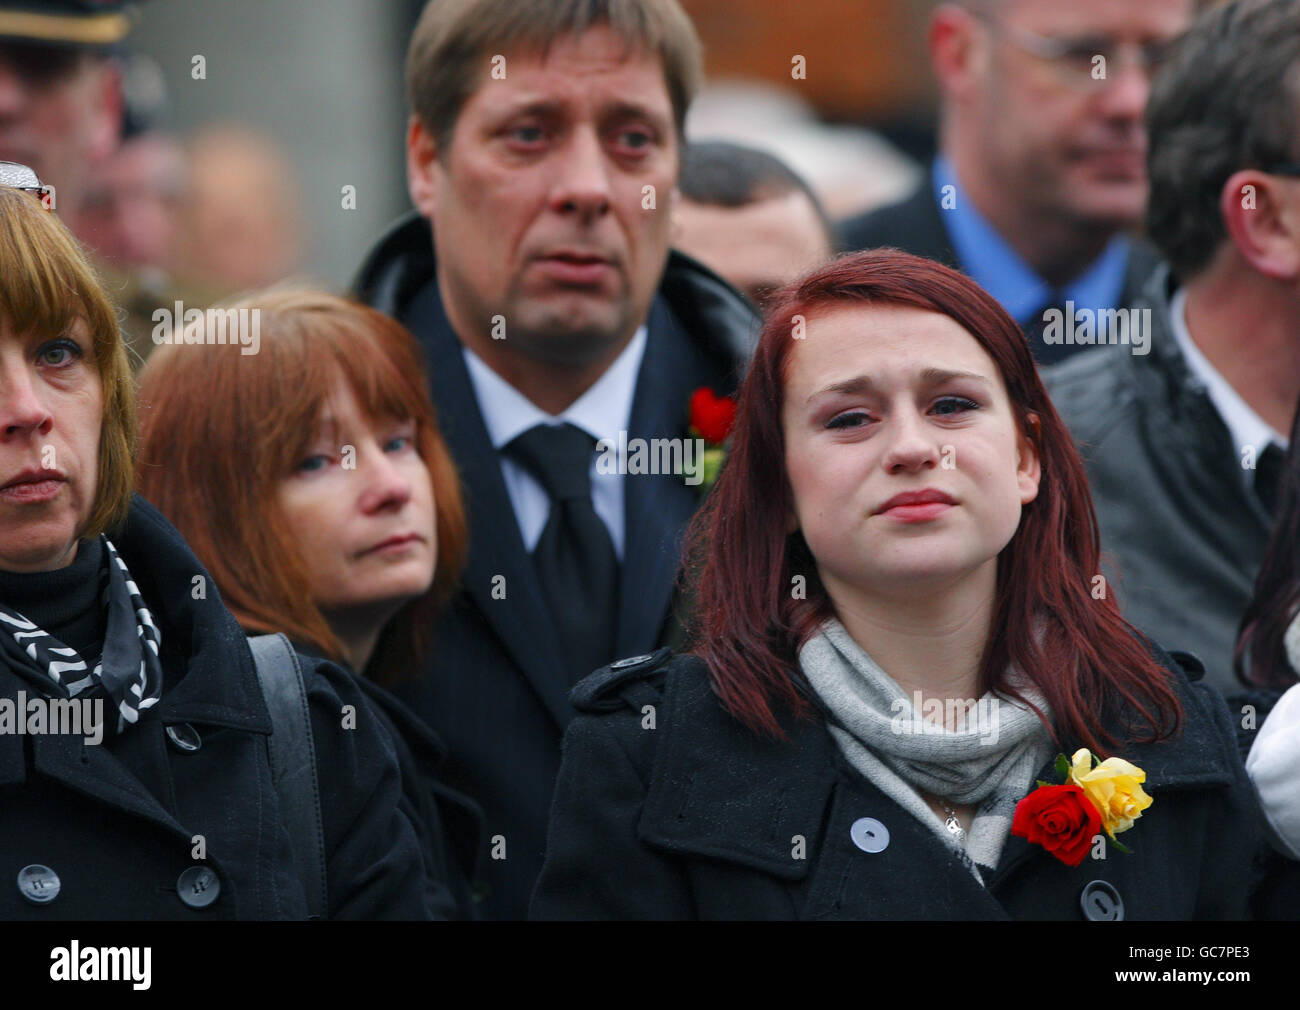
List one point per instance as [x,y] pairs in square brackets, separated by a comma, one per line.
[898,626]
[314,486]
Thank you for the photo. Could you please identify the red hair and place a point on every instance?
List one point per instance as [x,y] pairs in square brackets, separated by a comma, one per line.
[747,624]
[220,431]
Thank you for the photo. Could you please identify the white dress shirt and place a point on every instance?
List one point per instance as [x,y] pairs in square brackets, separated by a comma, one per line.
[1245,426]
[602,411]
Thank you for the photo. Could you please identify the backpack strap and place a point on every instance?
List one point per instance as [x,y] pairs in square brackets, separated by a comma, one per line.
[293,763]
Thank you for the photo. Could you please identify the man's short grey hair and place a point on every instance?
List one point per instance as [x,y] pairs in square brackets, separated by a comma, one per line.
[1227,100]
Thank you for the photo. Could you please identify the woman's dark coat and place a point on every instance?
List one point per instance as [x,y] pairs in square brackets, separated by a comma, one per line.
[449,825]
[699,818]
[120,822]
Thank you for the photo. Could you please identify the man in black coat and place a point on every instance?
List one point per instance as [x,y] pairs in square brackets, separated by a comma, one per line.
[559,328]
[1039,175]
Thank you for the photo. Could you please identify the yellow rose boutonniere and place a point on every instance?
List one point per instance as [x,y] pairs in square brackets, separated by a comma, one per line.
[1095,794]
[1115,788]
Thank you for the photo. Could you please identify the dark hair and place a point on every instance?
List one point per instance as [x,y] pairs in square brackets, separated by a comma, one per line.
[1260,658]
[455,39]
[748,626]
[721,174]
[1225,101]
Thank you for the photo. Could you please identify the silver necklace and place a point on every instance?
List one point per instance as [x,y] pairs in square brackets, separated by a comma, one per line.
[952,822]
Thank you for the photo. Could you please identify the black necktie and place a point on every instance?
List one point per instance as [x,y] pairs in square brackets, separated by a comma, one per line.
[1268,475]
[575,557]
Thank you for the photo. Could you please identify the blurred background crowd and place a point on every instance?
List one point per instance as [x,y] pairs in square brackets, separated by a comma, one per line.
[1053,151]
[241,123]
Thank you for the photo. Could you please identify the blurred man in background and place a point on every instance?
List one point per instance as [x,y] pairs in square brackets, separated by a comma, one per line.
[129,214]
[64,112]
[1039,177]
[242,225]
[851,169]
[132,203]
[60,92]
[1184,445]
[748,217]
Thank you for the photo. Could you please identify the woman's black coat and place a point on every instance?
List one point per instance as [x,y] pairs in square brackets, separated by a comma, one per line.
[668,808]
[122,821]
[448,824]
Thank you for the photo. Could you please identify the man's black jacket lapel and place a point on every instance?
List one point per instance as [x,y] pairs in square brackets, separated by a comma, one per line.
[658,506]
[496,547]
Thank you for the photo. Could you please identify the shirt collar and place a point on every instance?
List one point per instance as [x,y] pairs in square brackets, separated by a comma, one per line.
[602,411]
[1245,426]
[991,262]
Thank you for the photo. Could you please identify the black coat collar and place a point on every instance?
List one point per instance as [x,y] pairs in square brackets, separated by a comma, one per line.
[720,791]
[421,738]
[1194,445]
[211,674]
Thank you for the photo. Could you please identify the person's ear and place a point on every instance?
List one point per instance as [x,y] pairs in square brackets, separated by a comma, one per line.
[1261,213]
[421,167]
[958,54]
[1028,465]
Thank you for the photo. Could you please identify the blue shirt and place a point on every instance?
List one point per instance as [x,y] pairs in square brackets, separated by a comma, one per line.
[991,262]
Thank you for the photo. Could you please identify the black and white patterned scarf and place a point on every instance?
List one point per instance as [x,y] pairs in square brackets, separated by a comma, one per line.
[127,672]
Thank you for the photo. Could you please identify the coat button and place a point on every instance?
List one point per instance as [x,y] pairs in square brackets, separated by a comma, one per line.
[198,887]
[869,834]
[184,737]
[38,884]
[1101,902]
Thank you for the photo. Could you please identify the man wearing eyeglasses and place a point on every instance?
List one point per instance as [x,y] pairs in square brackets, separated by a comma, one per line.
[1040,176]
[1185,446]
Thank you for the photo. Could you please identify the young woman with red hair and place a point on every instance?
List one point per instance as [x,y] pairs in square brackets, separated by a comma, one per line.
[898,624]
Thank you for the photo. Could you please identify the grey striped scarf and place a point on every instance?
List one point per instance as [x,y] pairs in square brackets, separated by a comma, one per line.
[987,761]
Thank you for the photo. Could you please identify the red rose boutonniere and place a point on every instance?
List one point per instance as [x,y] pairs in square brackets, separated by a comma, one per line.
[711,418]
[1097,795]
[1060,819]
